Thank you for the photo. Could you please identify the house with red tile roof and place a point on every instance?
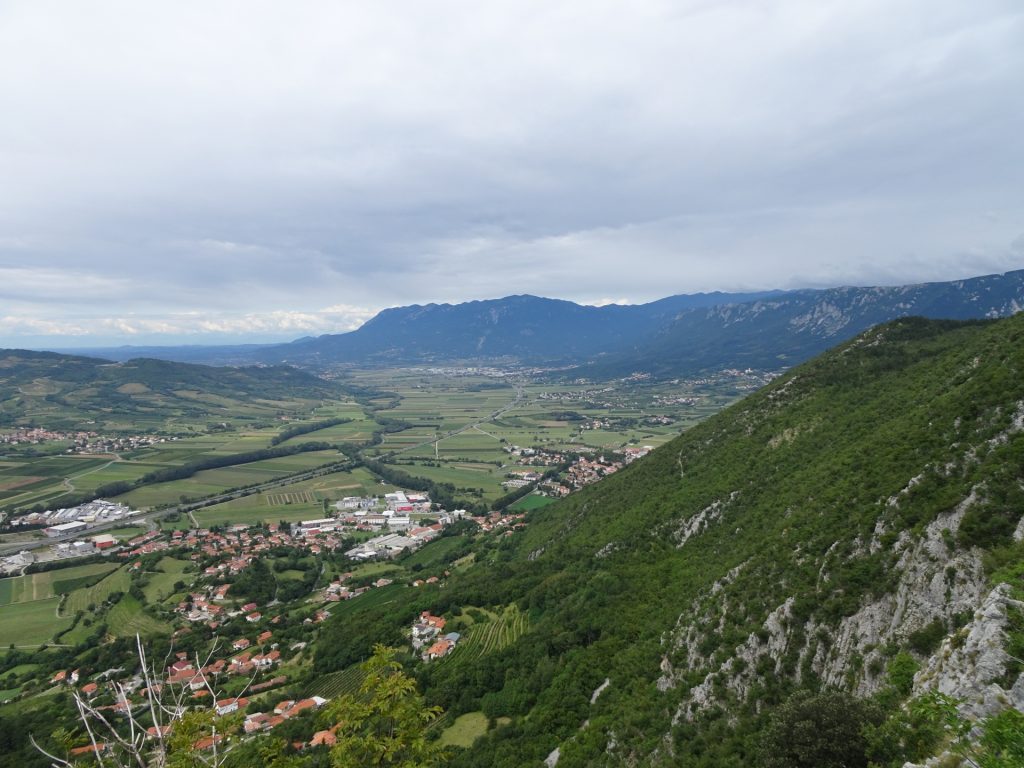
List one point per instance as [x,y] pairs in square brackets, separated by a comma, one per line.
[99,749]
[227,706]
[437,650]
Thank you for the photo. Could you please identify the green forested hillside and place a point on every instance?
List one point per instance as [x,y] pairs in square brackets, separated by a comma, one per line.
[841,528]
[73,392]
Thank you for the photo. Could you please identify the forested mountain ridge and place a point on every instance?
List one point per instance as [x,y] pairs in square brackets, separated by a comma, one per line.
[522,328]
[854,525]
[788,328]
[681,335]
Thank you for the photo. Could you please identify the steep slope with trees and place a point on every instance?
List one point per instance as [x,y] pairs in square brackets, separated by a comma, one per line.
[853,527]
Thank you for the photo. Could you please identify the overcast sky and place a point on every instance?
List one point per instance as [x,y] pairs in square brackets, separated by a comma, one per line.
[215,171]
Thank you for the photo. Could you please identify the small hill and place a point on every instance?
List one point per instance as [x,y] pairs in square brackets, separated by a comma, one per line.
[75,392]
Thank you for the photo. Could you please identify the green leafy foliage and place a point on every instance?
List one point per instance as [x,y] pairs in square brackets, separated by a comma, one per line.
[386,723]
[822,730]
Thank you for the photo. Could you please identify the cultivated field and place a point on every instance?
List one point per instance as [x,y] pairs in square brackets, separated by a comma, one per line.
[284,504]
[81,599]
[160,584]
[213,481]
[336,684]
[126,619]
[39,586]
[31,623]
[483,637]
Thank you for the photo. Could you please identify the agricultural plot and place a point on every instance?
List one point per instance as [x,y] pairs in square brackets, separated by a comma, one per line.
[267,507]
[82,598]
[127,618]
[336,684]
[370,600]
[487,478]
[213,481]
[40,586]
[45,480]
[253,513]
[291,497]
[128,532]
[160,583]
[35,479]
[486,637]
[465,730]
[31,623]
[359,429]
[436,553]
[532,501]
[67,580]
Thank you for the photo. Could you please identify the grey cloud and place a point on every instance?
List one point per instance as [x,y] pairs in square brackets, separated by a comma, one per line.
[241,158]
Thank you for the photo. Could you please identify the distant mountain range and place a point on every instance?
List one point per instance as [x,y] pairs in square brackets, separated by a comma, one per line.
[678,335]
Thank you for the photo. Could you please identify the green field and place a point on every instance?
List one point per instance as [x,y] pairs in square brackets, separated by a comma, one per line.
[81,599]
[532,501]
[435,553]
[252,515]
[336,684]
[213,481]
[39,586]
[126,619]
[160,583]
[31,623]
[481,638]
[128,532]
[465,730]
[486,477]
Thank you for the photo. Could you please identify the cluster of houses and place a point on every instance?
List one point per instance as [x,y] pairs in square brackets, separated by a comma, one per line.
[81,442]
[588,471]
[200,680]
[257,722]
[636,452]
[196,684]
[37,435]
[428,640]
[502,521]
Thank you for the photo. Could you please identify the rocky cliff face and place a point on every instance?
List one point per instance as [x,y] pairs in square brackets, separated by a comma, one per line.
[938,583]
